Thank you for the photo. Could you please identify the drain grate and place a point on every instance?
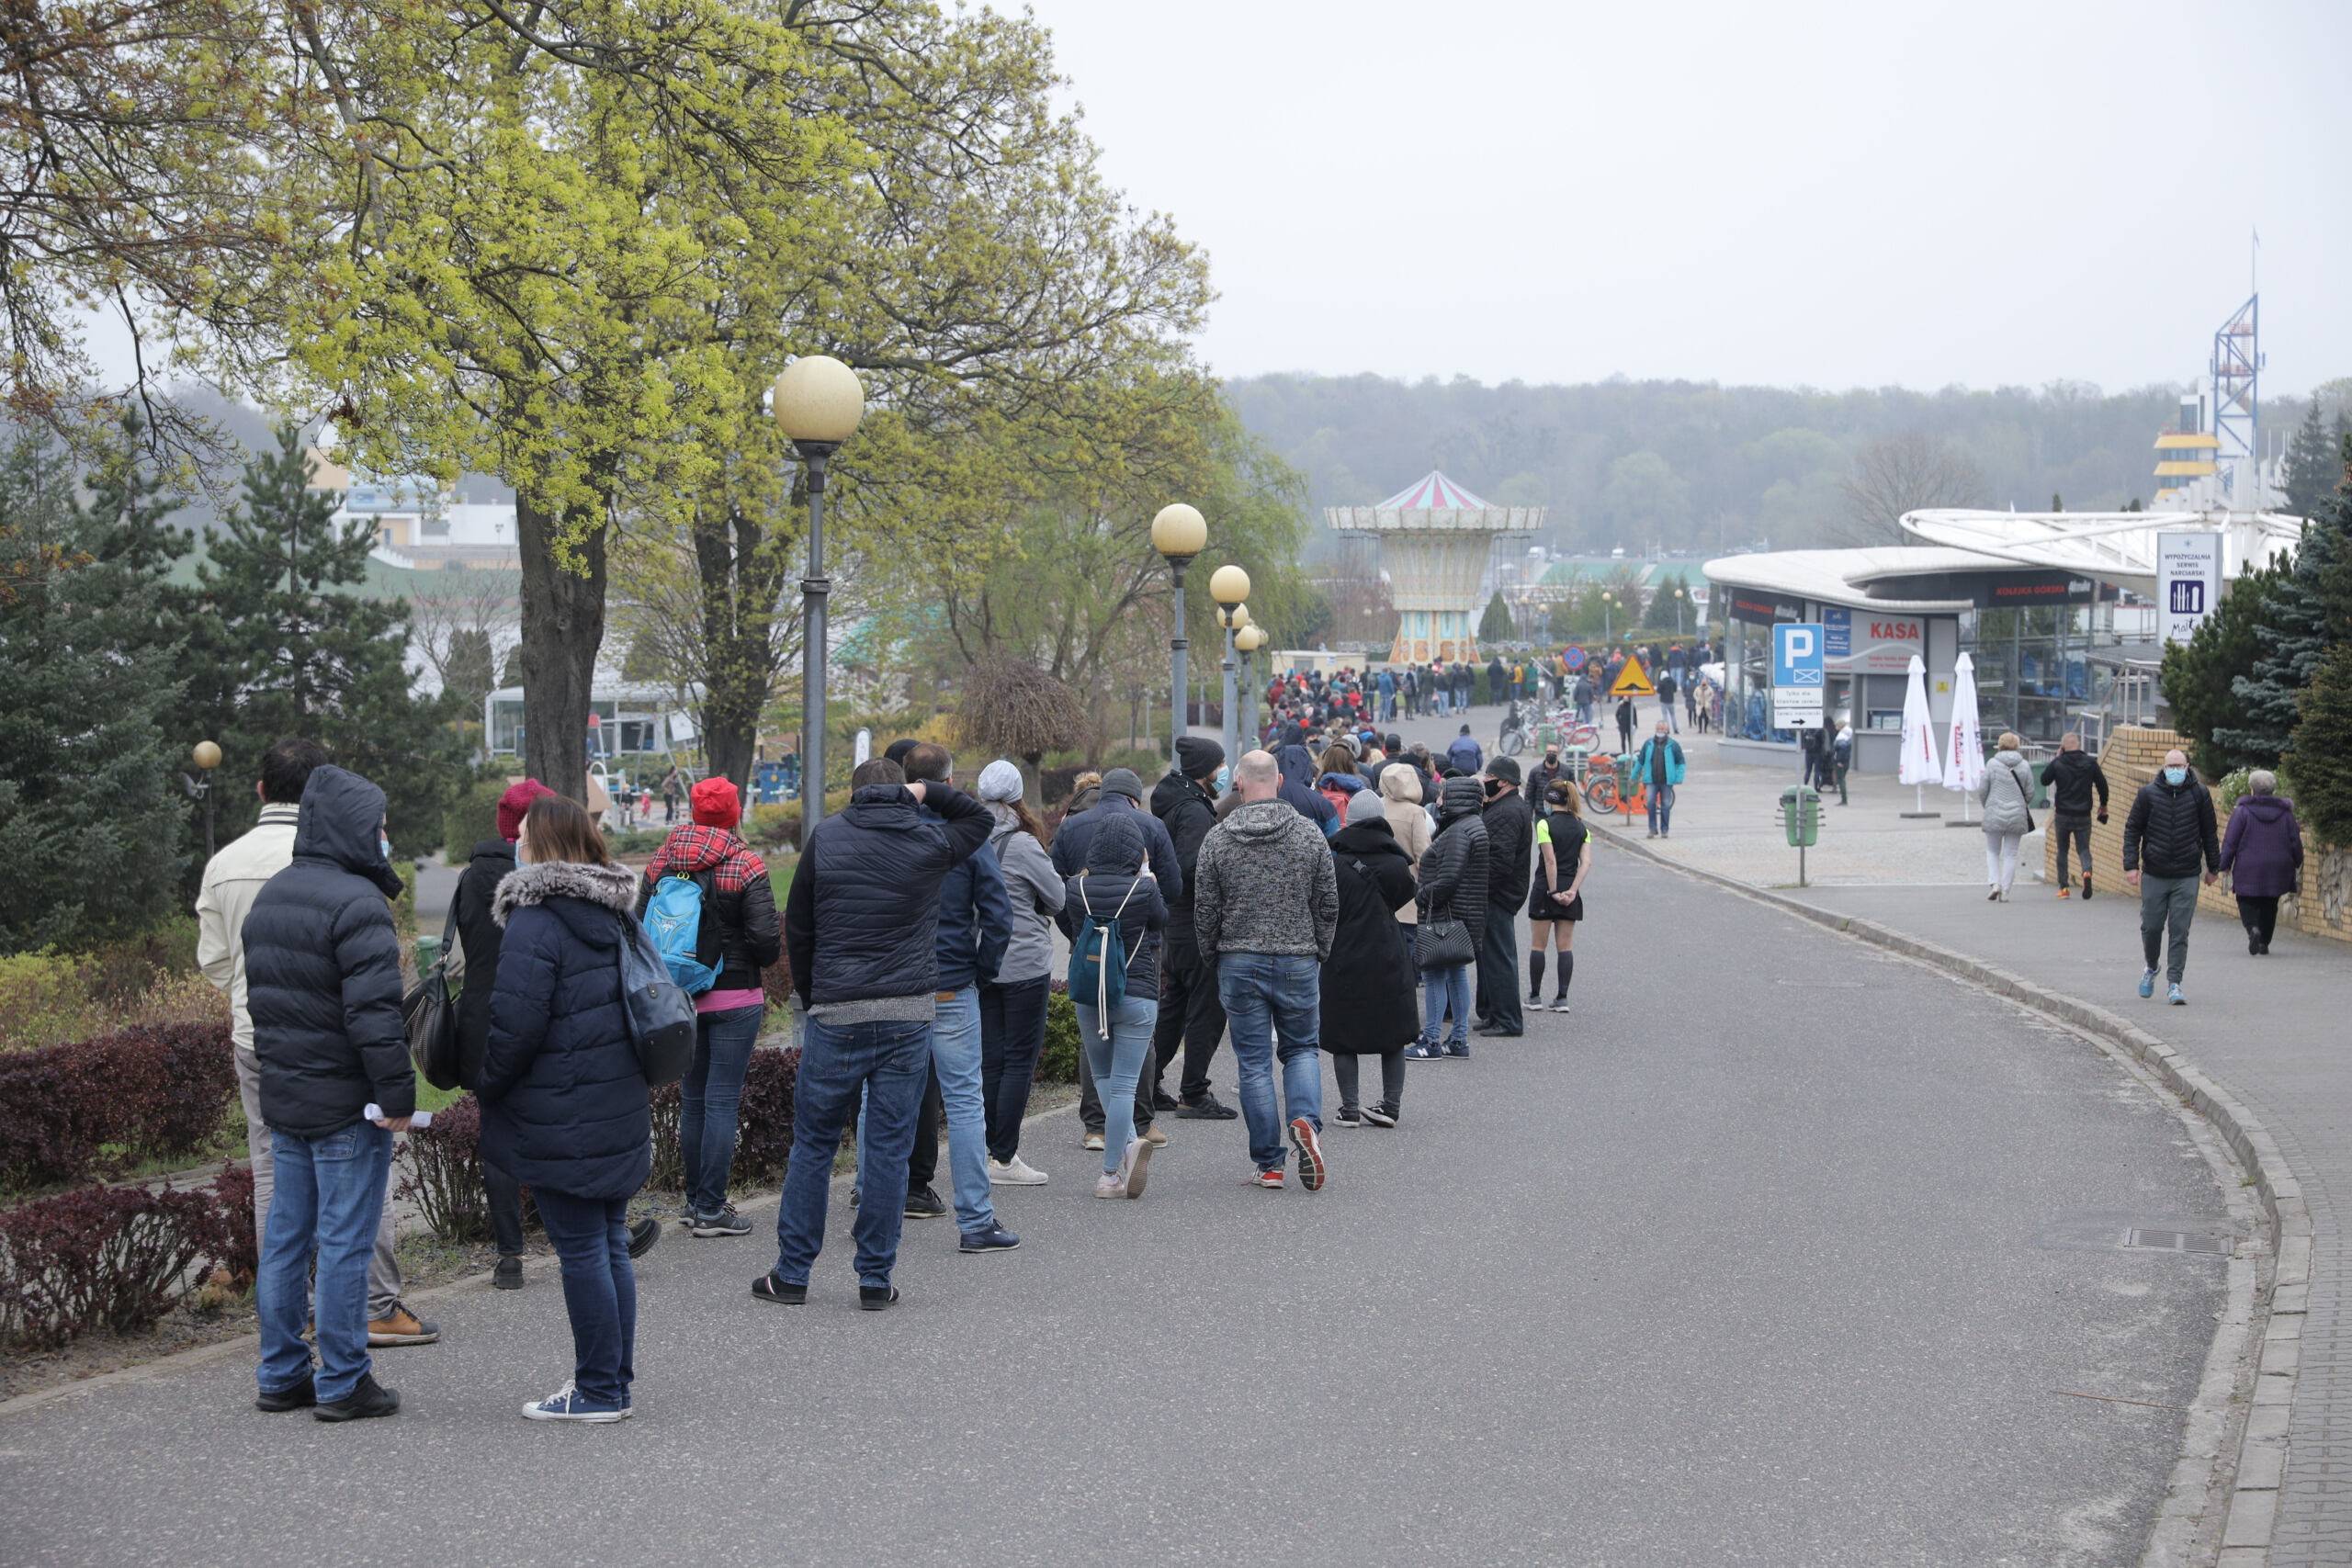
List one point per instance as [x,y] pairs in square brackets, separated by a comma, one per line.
[2175,1241]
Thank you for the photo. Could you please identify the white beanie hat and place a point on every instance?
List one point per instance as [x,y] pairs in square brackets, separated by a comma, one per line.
[1000,781]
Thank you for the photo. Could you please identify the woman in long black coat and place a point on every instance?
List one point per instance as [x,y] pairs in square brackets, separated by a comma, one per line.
[1368,1003]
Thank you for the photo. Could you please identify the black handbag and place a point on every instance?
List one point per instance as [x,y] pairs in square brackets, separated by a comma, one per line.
[1446,943]
[429,1011]
[660,1016]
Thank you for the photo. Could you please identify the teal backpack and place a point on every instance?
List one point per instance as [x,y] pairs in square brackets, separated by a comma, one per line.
[1098,958]
[674,920]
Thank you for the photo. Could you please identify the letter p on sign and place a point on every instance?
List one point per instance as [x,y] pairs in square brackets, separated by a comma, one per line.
[1800,644]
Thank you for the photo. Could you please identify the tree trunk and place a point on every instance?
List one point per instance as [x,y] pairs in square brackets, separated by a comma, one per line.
[564,627]
[743,574]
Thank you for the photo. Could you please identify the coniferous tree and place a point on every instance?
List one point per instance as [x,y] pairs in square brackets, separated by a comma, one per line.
[2293,637]
[473,671]
[2198,675]
[2322,754]
[1494,628]
[2314,466]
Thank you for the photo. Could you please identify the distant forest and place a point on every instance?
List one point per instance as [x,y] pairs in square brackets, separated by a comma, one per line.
[1693,467]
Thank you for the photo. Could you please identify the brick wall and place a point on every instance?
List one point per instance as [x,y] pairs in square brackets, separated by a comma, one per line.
[2131,759]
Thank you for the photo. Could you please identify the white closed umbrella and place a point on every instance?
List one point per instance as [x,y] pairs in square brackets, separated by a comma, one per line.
[1964,754]
[1918,768]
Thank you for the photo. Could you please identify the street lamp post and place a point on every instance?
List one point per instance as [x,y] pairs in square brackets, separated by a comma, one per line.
[1250,640]
[818,401]
[206,757]
[1679,596]
[1179,534]
[1607,599]
[1229,586]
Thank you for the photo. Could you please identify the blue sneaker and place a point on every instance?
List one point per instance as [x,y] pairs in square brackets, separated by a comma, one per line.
[996,1238]
[1420,1050]
[567,1403]
[1458,1052]
[2176,998]
[2148,984]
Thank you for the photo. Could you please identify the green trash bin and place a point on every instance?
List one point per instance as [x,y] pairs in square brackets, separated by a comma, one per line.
[428,952]
[1801,816]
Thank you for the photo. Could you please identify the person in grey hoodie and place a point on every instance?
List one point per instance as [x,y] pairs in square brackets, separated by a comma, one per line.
[1012,1006]
[1267,905]
[2008,795]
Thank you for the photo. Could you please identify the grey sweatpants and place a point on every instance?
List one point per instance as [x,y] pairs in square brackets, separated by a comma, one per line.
[383,1269]
[2168,901]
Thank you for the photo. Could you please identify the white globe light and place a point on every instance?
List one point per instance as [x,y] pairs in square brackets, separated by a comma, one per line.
[1179,532]
[818,398]
[1230,585]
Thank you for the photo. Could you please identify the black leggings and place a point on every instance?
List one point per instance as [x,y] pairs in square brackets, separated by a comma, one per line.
[2259,916]
[1392,1078]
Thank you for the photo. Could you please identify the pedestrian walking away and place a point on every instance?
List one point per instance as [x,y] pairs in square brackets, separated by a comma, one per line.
[1192,1020]
[1667,686]
[1463,754]
[564,1094]
[861,932]
[2169,838]
[1564,856]
[2073,777]
[2007,792]
[1122,792]
[2263,855]
[1451,913]
[1267,906]
[1660,765]
[1626,721]
[1118,913]
[1368,1003]
[1510,856]
[1012,1005]
[322,985]
[735,937]
[231,881]
[1842,755]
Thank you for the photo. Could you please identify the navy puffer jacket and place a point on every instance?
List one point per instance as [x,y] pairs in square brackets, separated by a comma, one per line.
[322,968]
[860,921]
[562,1096]
[1111,885]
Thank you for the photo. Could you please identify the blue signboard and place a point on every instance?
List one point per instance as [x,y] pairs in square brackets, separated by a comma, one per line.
[1574,656]
[1799,651]
[1838,633]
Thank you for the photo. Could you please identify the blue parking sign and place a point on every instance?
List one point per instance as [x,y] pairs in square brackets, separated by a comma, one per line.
[1799,648]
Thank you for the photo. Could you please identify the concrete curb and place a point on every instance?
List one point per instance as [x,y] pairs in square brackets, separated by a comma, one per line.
[2262,1452]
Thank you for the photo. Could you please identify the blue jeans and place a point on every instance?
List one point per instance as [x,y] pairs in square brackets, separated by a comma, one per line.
[1444,988]
[1117,1063]
[329,1194]
[1266,993]
[708,1098]
[1661,807]
[591,1239]
[839,1063]
[956,1055]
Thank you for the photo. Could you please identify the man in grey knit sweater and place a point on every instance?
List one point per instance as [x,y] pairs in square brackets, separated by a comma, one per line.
[1265,903]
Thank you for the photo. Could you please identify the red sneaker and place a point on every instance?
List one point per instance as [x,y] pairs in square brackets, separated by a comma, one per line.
[1310,1154]
[1272,1179]
[2065,893]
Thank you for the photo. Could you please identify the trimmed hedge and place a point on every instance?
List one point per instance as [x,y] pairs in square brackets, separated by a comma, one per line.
[71,1111]
[112,1257]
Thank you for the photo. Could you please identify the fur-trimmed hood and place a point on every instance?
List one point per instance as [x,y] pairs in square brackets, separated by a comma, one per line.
[612,886]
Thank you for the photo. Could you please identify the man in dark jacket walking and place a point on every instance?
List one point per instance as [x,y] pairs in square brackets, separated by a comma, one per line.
[1189,1015]
[2168,838]
[1122,792]
[1462,752]
[1267,906]
[1510,849]
[974,925]
[861,931]
[322,983]
[2073,776]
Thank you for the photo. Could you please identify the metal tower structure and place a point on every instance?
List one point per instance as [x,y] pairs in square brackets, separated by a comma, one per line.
[2237,375]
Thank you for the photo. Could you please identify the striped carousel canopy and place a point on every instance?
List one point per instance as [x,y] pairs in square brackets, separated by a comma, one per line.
[1433,493]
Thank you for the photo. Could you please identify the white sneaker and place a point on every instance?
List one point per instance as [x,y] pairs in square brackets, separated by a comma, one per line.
[1015,1172]
[1108,1185]
[1093,1141]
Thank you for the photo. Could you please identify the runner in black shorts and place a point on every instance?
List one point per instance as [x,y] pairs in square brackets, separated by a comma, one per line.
[1555,904]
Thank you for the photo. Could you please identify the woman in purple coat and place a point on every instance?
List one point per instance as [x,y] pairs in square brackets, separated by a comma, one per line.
[2262,852]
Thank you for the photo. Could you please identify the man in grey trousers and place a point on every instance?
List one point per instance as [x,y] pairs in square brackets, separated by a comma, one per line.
[2169,838]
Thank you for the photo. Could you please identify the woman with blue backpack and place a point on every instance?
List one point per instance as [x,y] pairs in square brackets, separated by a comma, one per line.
[710,910]
[1117,913]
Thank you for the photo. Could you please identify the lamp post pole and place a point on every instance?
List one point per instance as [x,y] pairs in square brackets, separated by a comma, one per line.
[1229,586]
[1228,717]
[818,401]
[1605,632]
[1179,534]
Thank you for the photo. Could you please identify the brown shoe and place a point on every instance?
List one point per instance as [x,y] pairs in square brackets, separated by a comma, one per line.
[1154,1137]
[400,1327]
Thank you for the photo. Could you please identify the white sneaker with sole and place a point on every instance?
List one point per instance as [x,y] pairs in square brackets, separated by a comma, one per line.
[1015,1172]
[564,1404]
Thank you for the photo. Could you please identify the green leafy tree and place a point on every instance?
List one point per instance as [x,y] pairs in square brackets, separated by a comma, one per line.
[2306,610]
[2314,466]
[93,822]
[2323,755]
[282,643]
[2199,675]
[1495,627]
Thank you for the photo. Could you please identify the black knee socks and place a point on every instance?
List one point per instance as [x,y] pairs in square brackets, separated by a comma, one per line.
[1568,969]
[1535,972]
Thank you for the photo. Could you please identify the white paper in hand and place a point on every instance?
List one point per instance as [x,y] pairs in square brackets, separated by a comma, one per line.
[375,1113]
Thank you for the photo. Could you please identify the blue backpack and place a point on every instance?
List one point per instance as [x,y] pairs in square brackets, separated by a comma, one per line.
[674,920]
[1098,956]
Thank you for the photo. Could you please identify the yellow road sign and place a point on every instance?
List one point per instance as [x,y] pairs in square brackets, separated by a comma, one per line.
[1632,681]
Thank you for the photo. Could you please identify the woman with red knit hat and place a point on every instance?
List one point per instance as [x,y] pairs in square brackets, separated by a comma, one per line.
[739,937]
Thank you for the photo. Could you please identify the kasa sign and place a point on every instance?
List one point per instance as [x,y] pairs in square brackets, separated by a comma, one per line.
[1863,642]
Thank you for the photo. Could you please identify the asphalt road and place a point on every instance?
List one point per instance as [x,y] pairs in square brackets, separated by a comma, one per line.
[1761,1256]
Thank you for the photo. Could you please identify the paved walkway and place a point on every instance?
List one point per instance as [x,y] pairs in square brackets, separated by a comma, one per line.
[2271,1031]
[1702,1273]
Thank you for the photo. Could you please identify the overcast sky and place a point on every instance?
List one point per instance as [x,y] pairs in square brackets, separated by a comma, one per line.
[1836,195]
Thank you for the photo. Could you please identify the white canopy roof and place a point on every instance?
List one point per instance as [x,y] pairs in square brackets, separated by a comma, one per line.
[1838,577]
[2114,546]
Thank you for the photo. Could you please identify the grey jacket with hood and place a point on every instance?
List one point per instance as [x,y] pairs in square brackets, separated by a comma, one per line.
[2007,791]
[1266,884]
[1035,889]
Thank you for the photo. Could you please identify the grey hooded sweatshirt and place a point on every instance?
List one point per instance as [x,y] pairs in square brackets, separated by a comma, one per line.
[1266,884]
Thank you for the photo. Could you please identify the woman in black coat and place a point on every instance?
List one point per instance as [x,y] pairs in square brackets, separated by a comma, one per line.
[563,1097]
[1368,1008]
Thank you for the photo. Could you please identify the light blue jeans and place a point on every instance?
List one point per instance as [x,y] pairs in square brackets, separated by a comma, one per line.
[956,1055]
[1116,1062]
[1444,988]
[1266,993]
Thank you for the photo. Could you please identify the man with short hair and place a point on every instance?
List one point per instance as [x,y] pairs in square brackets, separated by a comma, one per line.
[2169,835]
[1540,777]
[1191,1017]
[1267,905]
[232,880]
[1511,857]
[1464,753]
[861,929]
[1657,767]
[1122,791]
[973,926]
[2073,777]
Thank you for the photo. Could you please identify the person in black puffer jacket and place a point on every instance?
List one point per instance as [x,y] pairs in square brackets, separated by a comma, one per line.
[479,937]
[1116,884]
[2073,777]
[563,1093]
[739,939]
[1511,857]
[1191,1017]
[322,983]
[1454,887]
[2168,838]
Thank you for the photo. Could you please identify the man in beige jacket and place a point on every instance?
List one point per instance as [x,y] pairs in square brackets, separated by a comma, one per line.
[232,878]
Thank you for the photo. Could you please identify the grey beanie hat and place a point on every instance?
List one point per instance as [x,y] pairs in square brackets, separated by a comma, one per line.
[1123,781]
[1000,780]
[1364,807]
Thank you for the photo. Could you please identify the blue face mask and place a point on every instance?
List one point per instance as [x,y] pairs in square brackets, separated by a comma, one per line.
[2176,775]
[386,845]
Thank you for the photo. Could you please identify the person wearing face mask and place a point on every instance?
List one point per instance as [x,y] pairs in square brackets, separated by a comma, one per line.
[2169,838]
[1659,767]
[1511,853]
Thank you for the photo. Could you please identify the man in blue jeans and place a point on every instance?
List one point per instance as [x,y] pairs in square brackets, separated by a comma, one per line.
[1266,903]
[860,927]
[1659,767]
[974,925]
[322,983]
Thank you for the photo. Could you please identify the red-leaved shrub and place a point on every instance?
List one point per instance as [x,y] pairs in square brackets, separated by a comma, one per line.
[73,1110]
[763,1123]
[112,1257]
[443,1174]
